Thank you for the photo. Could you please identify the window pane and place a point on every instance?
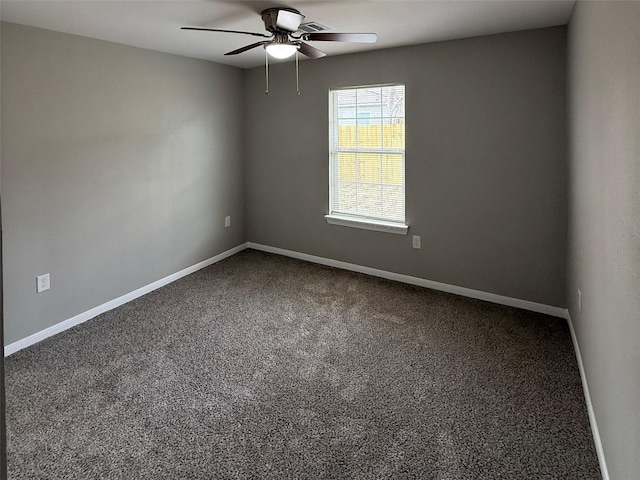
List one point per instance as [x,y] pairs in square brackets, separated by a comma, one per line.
[393,135]
[346,197]
[393,101]
[393,202]
[392,169]
[346,167]
[345,101]
[346,134]
[369,100]
[370,136]
[369,200]
[368,168]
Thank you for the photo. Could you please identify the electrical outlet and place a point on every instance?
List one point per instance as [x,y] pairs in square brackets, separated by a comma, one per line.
[43,282]
[227,221]
[579,301]
[417,241]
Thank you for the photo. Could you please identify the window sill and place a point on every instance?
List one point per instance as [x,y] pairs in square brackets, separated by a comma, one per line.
[367,224]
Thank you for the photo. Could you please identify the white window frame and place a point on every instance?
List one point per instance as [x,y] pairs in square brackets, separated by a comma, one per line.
[360,221]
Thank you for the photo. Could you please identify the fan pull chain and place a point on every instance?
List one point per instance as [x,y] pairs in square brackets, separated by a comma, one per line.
[297,76]
[266,70]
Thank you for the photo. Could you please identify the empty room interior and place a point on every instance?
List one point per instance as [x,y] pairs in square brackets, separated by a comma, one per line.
[410,249]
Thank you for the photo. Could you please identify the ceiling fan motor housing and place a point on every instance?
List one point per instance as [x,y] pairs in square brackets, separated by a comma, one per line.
[281,19]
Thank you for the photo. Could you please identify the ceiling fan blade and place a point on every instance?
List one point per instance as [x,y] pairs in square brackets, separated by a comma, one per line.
[341,37]
[248,47]
[309,51]
[226,31]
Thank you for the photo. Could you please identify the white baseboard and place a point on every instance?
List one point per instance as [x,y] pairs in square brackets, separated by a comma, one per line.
[466,292]
[592,416]
[398,277]
[105,307]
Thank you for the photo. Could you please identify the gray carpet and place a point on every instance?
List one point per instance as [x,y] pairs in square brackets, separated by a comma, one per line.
[266,367]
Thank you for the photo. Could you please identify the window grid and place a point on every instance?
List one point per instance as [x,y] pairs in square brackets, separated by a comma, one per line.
[357,196]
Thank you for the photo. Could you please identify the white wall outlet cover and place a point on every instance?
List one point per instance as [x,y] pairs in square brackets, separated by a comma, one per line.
[227,221]
[43,282]
[417,241]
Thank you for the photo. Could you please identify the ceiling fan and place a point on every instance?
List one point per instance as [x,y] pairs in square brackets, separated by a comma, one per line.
[285,38]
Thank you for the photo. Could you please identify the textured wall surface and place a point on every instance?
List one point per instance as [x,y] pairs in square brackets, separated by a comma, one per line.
[485,162]
[604,219]
[118,168]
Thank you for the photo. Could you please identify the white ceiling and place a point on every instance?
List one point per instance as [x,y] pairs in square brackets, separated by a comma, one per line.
[156,24]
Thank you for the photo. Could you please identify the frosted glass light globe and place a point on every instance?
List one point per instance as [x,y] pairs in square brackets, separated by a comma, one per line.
[281,50]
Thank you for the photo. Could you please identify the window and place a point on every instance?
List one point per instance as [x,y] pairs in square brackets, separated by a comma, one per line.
[366,150]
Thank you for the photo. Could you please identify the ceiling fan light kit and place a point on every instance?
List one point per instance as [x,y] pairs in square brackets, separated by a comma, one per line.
[281,50]
[281,47]
[283,23]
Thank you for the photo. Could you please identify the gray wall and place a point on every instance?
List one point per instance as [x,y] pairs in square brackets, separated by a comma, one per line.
[3,436]
[118,167]
[604,219]
[485,162]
